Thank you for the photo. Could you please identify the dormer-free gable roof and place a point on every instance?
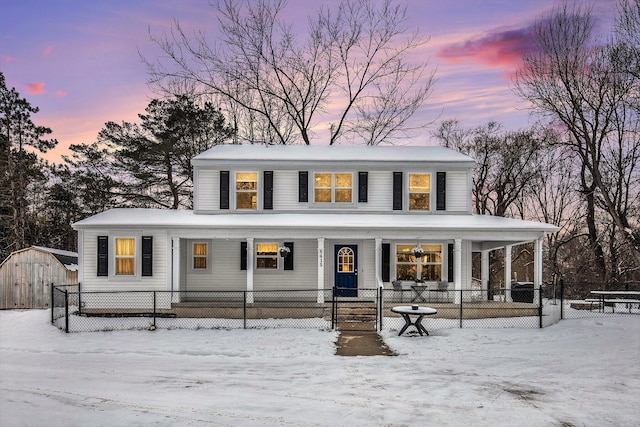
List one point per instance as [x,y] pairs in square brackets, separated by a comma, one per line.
[351,154]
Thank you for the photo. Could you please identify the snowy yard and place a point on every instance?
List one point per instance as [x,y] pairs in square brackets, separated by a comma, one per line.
[582,372]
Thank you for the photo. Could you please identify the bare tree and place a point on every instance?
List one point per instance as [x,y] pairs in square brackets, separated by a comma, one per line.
[278,85]
[576,82]
[505,163]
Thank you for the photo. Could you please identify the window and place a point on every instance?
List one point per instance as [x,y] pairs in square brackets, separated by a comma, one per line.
[333,187]
[200,251]
[419,191]
[345,260]
[267,256]
[246,190]
[125,256]
[428,268]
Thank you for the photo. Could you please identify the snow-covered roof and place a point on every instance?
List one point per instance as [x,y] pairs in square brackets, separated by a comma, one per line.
[181,219]
[67,258]
[56,251]
[333,153]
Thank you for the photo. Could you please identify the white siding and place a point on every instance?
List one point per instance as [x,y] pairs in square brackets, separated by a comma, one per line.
[225,274]
[458,192]
[380,192]
[285,191]
[157,282]
[303,276]
[207,190]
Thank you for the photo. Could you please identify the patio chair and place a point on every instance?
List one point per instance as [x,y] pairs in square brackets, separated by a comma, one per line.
[443,291]
[397,287]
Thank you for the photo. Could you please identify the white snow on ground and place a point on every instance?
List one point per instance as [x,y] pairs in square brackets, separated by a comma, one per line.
[582,372]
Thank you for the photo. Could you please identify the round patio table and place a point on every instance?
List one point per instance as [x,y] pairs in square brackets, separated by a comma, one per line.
[406,311]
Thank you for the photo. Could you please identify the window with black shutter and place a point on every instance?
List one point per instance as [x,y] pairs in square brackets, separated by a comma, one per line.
[224,189]
[303,186]
[268,190]
[363,187]
[103,255]
[147,255]
[243,255]
[288,260]
[397,191]
[441,191]
[386,262]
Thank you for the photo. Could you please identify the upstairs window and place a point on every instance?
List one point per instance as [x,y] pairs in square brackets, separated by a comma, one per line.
[246,190]
[419,191]
[267,256]
[125,256]
[333,187]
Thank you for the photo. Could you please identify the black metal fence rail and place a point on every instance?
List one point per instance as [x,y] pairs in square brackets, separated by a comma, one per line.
[74,310]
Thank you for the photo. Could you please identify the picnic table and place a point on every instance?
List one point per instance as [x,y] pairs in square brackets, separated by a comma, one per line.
[602,298]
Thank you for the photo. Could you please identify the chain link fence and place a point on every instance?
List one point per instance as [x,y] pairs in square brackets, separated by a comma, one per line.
[474,308]
[583,300]
[367,309]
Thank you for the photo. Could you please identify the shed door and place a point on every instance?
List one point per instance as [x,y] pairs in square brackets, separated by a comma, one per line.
[346,276]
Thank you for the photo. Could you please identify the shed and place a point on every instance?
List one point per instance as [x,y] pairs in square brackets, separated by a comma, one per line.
[26,276]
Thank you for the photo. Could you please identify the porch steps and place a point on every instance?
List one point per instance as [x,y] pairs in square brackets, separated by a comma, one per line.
[356,316]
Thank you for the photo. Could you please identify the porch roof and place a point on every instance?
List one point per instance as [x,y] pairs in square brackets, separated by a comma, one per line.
[322,224]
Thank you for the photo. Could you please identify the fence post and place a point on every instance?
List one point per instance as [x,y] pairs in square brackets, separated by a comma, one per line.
[333,307]
[52,301]
[244,309]
[562,299]
[540,305]
[66,311]
[380,308]
[154,309]
[461,295]
[79,298]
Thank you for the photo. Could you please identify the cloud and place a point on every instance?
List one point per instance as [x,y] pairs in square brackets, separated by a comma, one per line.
[503,48]
[47,50]
[60,93]
[7,58]
[35,88]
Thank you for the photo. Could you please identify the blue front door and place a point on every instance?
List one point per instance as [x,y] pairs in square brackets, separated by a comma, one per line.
[346,280]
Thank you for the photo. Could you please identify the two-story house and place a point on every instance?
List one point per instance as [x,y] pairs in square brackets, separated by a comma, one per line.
[305,217]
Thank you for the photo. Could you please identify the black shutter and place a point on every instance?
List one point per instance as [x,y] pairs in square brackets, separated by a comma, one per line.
[441,191]
[288,260]
[268,190]
[386,262]
[303,186]
[224,189]
[103,256]
[363,186]
[147,255]
[243,255]
[450,262]
[397,191]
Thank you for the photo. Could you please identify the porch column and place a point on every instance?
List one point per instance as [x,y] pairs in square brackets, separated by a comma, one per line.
[378,262]
[507,272]
[175,269]
[250,269]
[320,270]
[484,271]
[537,269]
[457,270]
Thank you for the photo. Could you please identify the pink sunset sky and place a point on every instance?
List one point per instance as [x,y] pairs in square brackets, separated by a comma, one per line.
[78,61]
